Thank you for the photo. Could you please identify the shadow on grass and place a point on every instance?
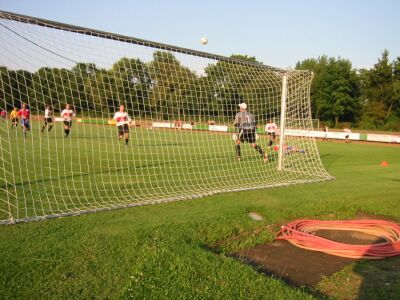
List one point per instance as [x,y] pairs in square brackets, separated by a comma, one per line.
[391,179]
[365,280]
[379,279]
[320,274]
[86,174]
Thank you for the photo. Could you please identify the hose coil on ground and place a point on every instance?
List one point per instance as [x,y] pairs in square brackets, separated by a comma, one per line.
[301,233]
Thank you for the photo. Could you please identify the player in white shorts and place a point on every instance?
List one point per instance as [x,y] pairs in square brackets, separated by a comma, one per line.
[48,118]
[326,130]
[347,132]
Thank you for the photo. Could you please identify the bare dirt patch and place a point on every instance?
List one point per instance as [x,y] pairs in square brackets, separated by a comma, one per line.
[292,264]
[299,267]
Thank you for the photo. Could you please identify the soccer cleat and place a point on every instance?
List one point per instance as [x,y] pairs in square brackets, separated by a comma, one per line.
[265,158]
[238,158]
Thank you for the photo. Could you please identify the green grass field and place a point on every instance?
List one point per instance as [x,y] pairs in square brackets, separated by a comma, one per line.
[47,174]
[163,251]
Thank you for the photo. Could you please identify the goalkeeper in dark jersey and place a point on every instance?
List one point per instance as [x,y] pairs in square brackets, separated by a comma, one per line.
[246,123]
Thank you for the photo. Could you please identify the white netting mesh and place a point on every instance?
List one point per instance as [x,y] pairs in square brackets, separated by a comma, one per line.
[183,104]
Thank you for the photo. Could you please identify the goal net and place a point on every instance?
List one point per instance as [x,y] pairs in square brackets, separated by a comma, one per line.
[181,142]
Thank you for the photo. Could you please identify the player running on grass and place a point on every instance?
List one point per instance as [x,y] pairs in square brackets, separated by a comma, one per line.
[246,123]
[24,114]
[48,118]
[271,129]
[347,132]
[325,137]
[14,118]
[123,122]
[67,114]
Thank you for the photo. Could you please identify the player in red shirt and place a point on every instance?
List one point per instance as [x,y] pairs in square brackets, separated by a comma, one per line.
[3,115]
[24,115]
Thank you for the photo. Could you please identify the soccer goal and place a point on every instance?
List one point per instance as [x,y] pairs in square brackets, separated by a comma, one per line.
[104,121]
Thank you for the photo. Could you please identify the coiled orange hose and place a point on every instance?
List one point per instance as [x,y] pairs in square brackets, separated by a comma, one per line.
[301,233]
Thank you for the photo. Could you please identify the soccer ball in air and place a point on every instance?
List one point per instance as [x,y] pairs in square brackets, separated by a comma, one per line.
[203,41]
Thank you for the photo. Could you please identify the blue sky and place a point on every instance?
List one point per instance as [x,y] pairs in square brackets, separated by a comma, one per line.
[278,33]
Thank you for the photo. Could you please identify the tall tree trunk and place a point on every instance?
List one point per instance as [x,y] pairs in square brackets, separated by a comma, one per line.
[336,121]
[389,111]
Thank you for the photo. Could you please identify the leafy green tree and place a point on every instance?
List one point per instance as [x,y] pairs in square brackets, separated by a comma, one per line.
[82,74]
[318,67]
[335,90]
[381,94]
[232,83]
[380,82]
[15,87]
[165,89]
[132,80]
[170,85]
[6,101]
[103,87]
[396,93]
[246,58]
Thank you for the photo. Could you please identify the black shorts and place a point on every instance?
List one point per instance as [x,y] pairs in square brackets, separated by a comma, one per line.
[123,129]
[273,134]
[14,120]
[248,135]
[48,120]
[68,123]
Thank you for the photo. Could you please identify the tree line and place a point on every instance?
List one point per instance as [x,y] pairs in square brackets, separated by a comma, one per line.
[160,89]
[365,98]
[165,89]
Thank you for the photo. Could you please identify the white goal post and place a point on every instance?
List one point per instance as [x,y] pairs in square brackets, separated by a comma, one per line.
[70,148]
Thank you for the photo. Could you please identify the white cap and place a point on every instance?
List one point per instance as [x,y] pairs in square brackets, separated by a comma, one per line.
[243,105]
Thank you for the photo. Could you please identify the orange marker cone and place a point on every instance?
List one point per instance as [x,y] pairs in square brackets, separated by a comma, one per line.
[384,163]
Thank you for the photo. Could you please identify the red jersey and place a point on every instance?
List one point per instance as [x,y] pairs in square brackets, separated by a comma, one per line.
[24,113]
